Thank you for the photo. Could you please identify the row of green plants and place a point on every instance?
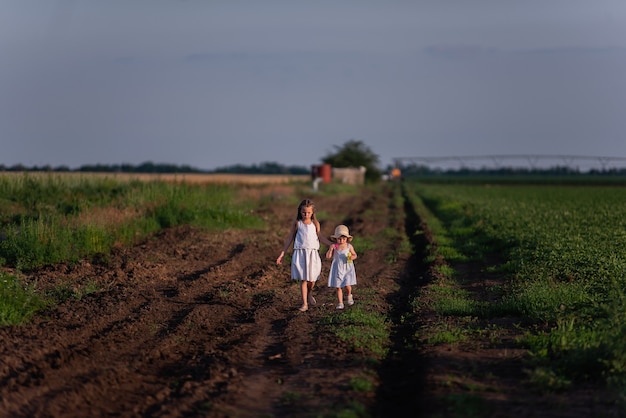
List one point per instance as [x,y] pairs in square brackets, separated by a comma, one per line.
[562,252]
[54,218]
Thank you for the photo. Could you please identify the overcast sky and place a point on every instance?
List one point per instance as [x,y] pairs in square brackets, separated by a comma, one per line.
[212,83]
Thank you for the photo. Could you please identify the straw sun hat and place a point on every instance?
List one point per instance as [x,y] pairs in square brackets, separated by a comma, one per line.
[341,231]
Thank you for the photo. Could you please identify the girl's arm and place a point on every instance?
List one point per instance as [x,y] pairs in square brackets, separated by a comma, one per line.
[325,240]
[322,238]
[329,253]
[352,252]
[290,237]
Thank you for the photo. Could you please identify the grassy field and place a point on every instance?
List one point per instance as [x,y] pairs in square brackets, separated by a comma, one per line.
[191,178]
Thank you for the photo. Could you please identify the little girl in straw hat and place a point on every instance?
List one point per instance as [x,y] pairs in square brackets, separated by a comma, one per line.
[342,273]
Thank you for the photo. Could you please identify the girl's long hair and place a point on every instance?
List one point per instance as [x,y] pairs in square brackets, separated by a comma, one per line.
[306,203]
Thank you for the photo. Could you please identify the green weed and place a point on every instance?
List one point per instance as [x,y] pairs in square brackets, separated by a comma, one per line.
[364,330]
[466,406]
[17,302]
[351,410]
[360,384]
[291,398]
[446,333]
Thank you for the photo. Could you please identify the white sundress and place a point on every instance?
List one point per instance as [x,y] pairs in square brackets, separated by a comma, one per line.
[306,263]
[342,273]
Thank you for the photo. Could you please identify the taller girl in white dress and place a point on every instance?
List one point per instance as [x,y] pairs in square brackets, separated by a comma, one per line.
[306,264]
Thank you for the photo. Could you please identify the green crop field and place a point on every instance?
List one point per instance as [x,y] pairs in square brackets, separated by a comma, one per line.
[562,256]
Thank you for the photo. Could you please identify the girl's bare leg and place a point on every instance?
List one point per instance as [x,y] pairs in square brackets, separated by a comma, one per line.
[304,287]
[340,295]
[310,299]
[349,289]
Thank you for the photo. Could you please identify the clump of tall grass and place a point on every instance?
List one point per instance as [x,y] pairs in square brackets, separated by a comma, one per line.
[210,206]
[17,301]
[45,240]
[363,329]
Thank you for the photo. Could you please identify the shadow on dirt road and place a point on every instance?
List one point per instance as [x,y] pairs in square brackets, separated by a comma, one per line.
[403,372]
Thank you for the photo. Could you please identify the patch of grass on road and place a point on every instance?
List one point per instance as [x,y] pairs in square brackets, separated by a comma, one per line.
[17,301]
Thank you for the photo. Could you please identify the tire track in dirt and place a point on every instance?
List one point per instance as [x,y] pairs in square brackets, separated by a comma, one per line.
[229,300]
[274,359]
[289,368]
[63,362]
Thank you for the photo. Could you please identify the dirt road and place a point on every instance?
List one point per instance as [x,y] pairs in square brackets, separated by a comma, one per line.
[196,323]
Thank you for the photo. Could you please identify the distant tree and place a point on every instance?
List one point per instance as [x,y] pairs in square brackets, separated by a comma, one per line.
[263,168]
[355,154]
[18,167]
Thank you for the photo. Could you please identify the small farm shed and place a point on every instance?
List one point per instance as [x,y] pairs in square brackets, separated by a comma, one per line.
[321,173]
[349,175]
[325,173]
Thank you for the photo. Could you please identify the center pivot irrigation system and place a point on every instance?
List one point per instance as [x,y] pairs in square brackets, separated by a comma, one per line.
[530,161]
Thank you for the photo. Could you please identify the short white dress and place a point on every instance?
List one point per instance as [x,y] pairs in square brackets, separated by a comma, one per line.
[306,263]
[342,273]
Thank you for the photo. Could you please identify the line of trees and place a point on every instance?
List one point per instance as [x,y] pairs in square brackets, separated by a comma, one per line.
[413,170]
[338,160]
[161,168]
[353,153]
